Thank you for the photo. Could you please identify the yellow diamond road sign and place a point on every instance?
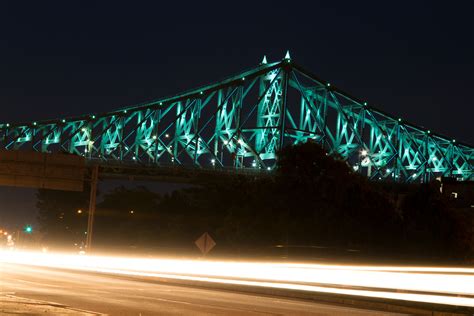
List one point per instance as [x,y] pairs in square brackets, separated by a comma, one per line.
[205,243]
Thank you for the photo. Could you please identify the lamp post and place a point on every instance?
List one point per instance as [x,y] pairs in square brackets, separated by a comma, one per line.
[93,195]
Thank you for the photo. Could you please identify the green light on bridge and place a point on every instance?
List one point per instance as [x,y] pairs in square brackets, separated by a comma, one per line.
[222,130]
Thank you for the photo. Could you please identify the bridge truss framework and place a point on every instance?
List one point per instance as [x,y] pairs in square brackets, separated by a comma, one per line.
[242,122]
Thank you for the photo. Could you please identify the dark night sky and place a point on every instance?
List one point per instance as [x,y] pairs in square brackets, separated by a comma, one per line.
[414,60]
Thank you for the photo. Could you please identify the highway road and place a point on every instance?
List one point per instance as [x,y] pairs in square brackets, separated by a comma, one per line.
[88,293]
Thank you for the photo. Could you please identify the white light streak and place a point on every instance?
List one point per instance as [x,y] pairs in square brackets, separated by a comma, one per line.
[453,286]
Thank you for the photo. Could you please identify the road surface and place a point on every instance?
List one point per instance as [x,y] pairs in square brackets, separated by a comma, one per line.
[87,293]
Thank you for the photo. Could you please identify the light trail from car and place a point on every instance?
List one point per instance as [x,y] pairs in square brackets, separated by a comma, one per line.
[442,285]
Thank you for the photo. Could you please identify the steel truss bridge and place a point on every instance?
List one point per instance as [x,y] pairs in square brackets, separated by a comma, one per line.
[241,123]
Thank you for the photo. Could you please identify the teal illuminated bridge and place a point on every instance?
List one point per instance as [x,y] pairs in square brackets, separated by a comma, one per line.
[242,122]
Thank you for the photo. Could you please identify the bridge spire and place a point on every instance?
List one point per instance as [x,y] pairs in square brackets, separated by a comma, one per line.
[287,56]
[264,60]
